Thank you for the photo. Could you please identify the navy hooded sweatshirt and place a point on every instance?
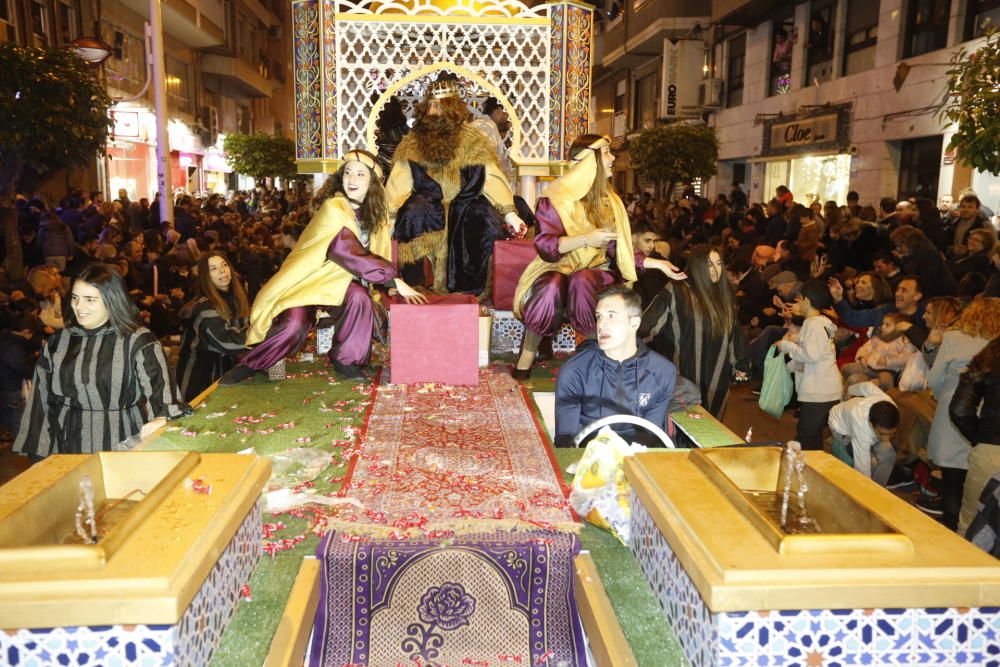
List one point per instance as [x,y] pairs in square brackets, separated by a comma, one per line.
[591,385]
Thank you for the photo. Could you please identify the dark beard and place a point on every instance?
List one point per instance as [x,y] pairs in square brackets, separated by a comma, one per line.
[503,128]
[437,138]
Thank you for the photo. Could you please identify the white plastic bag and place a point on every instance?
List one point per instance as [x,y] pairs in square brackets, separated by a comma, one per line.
[600,492]
[914,377]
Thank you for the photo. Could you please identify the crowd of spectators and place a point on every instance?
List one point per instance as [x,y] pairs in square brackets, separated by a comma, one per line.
[907,293]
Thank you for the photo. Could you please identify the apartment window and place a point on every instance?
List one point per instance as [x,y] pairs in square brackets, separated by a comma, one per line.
[926,26]
[41,23]
[980,16]
[782,41]
[735,66]
[179,85]
[8,21]
[862,35]
[67,20]
[126,68]
[247,48]
[644,107]
[819,47]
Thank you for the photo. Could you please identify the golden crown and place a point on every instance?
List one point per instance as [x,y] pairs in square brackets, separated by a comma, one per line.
[441,89]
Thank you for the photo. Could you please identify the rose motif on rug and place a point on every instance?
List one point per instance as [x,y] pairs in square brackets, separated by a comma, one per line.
[447,607]
[385,603]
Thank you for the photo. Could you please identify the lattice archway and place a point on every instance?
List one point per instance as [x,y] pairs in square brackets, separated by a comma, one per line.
[473,95]
[350,53]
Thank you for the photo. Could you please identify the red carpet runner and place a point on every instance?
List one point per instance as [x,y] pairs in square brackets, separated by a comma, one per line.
[439,460]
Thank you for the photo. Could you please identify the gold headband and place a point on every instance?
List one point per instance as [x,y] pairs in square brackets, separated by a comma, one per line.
[364,159]
[441,89]
[597,144]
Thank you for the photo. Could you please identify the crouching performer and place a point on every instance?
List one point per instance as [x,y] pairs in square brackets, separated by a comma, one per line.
[342,252]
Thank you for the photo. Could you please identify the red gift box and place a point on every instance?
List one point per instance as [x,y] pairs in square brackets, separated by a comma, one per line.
[510,259]
[436,342]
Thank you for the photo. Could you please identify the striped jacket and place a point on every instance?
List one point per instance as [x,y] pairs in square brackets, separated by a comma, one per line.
[93,389]
[211,346]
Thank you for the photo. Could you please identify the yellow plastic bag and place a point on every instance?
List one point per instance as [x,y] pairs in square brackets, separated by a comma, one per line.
[600,492]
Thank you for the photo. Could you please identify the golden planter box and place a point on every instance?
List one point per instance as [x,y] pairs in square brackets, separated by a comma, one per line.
[165,576]
[884,583]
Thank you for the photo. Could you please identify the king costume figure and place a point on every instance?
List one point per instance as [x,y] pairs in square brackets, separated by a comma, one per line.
[448,195]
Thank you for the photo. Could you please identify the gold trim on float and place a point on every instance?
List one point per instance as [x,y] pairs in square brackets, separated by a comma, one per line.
[451,20]
[288,647]
[317,165]
[604,633]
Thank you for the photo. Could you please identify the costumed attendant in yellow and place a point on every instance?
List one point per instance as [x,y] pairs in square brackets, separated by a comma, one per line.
[342,251]
[584,244]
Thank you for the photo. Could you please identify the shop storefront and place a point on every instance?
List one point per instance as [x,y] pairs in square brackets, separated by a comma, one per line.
[131,158]
[216,169]
[809,153]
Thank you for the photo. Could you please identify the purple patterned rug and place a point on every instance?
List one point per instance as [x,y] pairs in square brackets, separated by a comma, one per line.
[484,600]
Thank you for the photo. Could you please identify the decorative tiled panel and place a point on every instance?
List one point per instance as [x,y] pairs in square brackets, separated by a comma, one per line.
[557,37]
[576,99]
[206,618]
[108,646]
[328,26]
[508,331]
[307,71]
[190,643]
[810,637]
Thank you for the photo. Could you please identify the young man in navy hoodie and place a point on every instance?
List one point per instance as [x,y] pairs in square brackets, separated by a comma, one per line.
[614,375]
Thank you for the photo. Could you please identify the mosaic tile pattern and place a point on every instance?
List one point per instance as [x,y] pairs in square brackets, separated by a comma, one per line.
[814,637]
[508,331]
[206,618]
[189,643]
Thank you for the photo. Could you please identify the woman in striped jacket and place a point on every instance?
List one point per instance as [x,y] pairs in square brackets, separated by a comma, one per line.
[99,381]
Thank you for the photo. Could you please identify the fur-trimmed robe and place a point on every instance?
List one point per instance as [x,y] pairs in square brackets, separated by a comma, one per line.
[450,213]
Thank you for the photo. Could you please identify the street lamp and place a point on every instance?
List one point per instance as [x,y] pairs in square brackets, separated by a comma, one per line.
[91,50]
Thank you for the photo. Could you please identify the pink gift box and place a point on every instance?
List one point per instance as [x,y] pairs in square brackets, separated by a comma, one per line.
[436,342]
[510,259]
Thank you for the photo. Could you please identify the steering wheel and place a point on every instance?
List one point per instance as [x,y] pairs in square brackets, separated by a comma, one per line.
[623,419]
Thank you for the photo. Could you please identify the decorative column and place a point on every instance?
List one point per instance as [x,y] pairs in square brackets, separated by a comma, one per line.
[308,72]
[569,80]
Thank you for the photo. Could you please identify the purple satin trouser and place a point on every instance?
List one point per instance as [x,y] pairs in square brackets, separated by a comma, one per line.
[555,296]
[352,336]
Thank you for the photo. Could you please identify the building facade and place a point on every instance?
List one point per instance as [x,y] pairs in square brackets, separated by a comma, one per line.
[226,68]
[830,96]
[824,97]
[649,57]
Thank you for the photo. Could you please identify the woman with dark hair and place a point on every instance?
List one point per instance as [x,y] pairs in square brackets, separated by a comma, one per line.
[584,245]
[99,381]
[920,258]
[695,325]
[344,248]
[214,324]
[979,244]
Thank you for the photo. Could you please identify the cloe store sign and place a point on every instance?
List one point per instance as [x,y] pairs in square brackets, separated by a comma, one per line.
[805,133]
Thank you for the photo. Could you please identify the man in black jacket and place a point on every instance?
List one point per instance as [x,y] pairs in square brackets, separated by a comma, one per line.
[615,375]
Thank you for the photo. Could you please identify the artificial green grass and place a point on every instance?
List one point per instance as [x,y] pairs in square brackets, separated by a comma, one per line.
[320,410]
